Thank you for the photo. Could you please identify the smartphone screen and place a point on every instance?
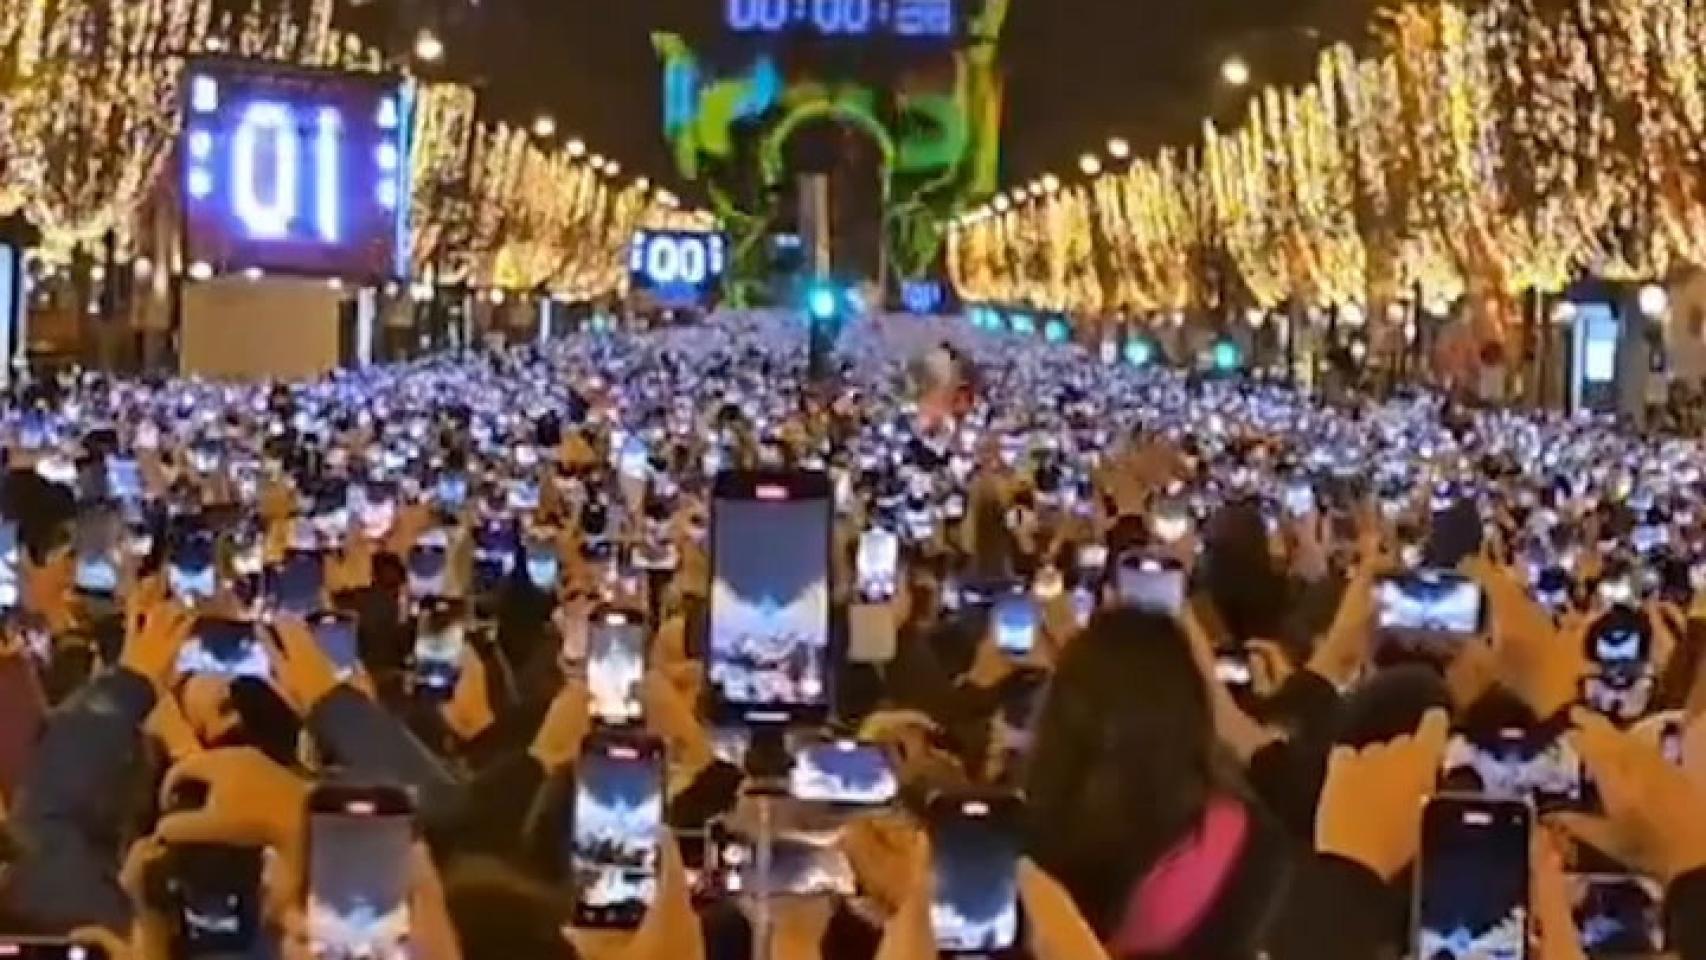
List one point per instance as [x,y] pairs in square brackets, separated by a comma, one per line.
[440,637]
[844,772]
[878,563]
[769,623]
[96,574]
[798,868]
[8,564]
[1472,897]
[1151,585]
[427,565]
[359,842]
[974,842]
[335,632]
[615,665]
[1014,616]
[224,648]
[613,830]
[1428,611]
[1618,915]
[216,892]
[299,582]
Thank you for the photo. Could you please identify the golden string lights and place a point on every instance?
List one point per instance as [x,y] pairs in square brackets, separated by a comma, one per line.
[90,114]
[1488,150]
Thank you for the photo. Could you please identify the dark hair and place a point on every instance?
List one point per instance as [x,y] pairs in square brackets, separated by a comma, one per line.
[1247,588]
[1124,758]
[501,914]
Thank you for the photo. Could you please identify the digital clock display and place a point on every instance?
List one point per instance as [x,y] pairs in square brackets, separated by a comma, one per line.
[677,267]
[297,171]
[905,19]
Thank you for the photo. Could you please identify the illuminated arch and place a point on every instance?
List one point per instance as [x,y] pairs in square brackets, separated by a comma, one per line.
[773,163]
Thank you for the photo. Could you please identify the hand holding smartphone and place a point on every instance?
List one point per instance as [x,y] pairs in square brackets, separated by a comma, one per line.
[359,850]
[610,840]
[1472,880]
[974,844]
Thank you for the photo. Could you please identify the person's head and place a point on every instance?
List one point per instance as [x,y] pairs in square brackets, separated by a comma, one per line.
[501,914]
[1122,760]
[1247,586]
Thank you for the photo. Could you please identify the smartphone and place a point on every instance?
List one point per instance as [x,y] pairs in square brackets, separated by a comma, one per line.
[49,948]
[1300,500]
[1150,584]
[124,479]
[616,665]
[1092,558]
[1014,618]
[360,842]
[1538,767]
[1618,915]
[190,573]
[844,773]
[96,574]
[769,642]
[440,638]
[224,648]
[877,565]
[426,567]
[798,868]
[1170,523]
[1472,888]
[1429,611]
[215,893]
[974,842]
[8,564]
[613,831]
[299,582]
[335,632]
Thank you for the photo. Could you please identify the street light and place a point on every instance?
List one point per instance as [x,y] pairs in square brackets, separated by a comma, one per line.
[577,148]
[1090,164]
[428,47]
[544,126]
[1119,148]
[1051,183]
[1235,72]
[1654,301]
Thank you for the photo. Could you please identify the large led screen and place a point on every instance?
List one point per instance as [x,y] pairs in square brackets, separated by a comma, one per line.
[295,171]
[677,267]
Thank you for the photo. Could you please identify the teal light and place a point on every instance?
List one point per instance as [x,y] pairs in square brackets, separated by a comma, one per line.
[1138,352]
[822,303]
[1226,356]
[1056,331]
[1024,324]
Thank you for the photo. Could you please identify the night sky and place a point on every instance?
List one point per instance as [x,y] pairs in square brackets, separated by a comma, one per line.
[1079,71]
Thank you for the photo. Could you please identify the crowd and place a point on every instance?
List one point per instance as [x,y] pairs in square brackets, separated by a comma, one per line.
[449,659]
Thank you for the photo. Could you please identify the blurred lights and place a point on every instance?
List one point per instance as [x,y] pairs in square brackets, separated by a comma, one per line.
[1119,148]
[1653,300]
[544,126]
[1235,71]
[1090,164]
[428,47]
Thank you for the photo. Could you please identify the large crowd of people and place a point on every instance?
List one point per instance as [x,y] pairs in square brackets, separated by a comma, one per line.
[425,661]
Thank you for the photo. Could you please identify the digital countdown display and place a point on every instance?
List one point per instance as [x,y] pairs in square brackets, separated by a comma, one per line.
[296,171]
[677,267]
[903,19]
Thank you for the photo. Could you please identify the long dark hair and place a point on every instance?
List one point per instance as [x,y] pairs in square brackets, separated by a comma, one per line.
[1248,588]
[1124,759]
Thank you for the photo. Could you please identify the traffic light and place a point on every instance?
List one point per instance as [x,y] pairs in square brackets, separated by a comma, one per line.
[828,306]
[1226,357]
[1139,351]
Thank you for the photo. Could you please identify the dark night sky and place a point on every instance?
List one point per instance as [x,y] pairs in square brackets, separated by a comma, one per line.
[1079,71]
